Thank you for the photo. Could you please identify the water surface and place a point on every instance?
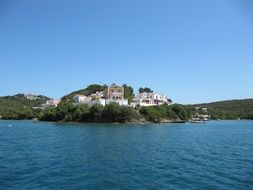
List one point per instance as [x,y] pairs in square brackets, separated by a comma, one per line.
[41,155]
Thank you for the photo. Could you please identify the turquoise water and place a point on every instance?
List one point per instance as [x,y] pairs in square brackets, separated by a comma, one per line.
[40,155]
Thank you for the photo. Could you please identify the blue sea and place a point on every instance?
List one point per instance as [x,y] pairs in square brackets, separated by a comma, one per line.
[40,155]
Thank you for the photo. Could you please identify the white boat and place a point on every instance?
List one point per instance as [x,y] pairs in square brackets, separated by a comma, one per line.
[197,121]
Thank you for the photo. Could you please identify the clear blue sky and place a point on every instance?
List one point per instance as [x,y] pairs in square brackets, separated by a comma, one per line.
[192,51]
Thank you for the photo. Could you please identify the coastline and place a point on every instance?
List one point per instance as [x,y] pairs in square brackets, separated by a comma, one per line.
[130,122]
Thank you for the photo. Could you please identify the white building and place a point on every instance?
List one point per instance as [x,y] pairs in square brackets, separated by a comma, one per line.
[121,102]
[51,103]
[151,99]
[79,98]
[90,100]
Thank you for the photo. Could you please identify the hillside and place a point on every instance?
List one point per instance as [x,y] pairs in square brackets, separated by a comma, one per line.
[19,107]
[230,109]
[86,91]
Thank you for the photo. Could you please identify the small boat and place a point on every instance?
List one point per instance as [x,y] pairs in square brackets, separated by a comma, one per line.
[197,121]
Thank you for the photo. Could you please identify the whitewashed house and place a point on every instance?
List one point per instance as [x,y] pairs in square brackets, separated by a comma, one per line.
[51,103]
[89,100]
[151,99]
[79,98]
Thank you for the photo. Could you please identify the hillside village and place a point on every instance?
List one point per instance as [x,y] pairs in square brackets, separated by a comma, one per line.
[115,93]
[112,94]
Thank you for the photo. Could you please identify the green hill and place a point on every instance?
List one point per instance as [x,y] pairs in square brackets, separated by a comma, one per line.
[86,91]
[19,107]
[230,109]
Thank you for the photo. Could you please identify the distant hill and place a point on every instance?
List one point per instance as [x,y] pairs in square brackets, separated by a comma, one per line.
[17,105]
[230,109]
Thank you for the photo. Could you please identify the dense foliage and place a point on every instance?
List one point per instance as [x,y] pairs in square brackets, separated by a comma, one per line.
[113,113]
[96,113]
[164,112]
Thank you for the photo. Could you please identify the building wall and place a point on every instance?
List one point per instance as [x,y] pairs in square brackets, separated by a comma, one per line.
[122,102]
[79,98]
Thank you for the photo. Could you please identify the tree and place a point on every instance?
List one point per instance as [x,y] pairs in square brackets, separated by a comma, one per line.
[145,89]
[180,111]
[49,114]
[81,113]
[94,88]
[96,112]
[128,93]
[151,114]
[111,112]
[128,115]
[63,109]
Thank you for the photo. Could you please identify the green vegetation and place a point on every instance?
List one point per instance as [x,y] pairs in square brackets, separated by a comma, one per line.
[19,107]
[164,112]
[96,113]
[232,109]
[113,113]
[128,93]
